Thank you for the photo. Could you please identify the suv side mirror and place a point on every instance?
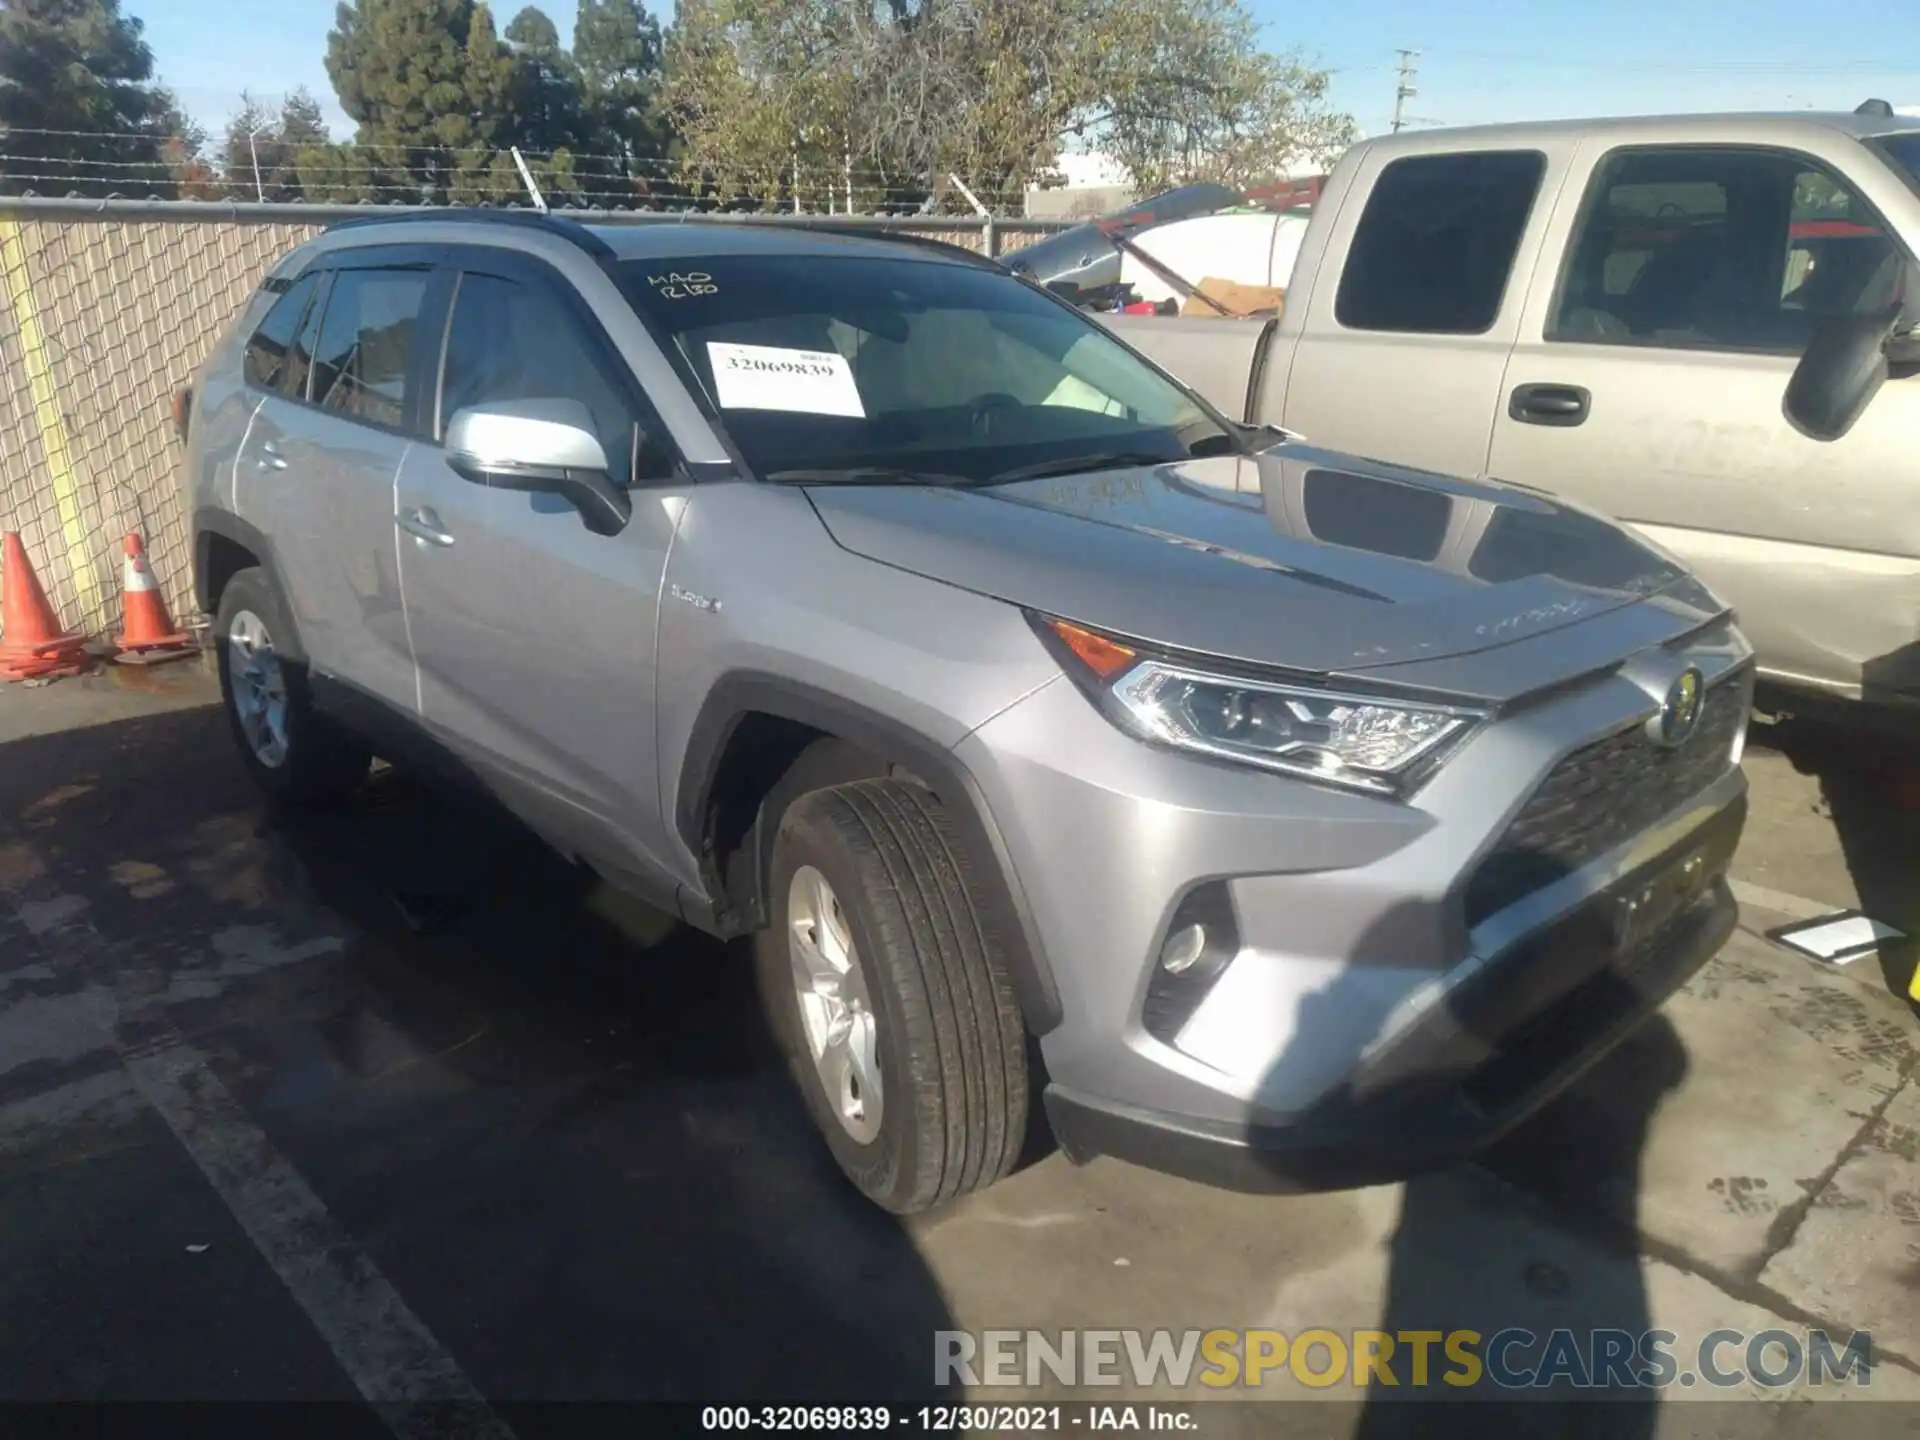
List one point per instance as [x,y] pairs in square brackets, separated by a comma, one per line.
[546,446]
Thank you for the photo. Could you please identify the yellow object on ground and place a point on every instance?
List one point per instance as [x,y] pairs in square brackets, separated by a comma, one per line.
[61,469]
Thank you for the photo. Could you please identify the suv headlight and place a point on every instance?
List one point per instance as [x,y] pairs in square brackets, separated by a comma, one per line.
[1385,746]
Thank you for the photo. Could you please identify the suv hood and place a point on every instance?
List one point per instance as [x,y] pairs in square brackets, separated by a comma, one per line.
[1297,559]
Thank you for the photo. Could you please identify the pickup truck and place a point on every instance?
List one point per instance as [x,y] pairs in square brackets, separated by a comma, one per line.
[1700,325]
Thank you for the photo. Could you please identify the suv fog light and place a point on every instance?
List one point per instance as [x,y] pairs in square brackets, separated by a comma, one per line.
[1202,939]
[1183,948]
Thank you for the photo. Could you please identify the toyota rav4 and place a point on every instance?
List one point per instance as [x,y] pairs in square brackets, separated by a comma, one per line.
[1274,817]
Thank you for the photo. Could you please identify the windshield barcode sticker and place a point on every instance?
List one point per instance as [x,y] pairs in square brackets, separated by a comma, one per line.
[765,377]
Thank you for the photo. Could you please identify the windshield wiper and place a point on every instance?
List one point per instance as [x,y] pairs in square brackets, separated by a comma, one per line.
[1076,464]
[864,475]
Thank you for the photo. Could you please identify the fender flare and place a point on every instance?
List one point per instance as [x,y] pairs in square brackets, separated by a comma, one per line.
[738,694]
[209,521]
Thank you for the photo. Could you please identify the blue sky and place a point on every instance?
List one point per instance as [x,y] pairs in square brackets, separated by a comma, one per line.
[1481,60]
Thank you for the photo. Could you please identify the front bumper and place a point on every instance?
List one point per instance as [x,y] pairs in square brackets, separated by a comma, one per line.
[1376,1008]
[1499,1047]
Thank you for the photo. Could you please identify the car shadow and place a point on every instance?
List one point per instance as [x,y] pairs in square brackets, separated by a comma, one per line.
[1502,1241]
[1869,779]
[551,1116]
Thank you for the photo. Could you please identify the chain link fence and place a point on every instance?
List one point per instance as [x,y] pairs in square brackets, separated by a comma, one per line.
[106,308]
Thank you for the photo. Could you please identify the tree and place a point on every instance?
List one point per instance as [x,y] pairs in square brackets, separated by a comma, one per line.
[302,121]
[423,80]
[618,54]
[439,100]
[339,175]
[258,153]
[1207,103]
[483,116]
[764,95]
[182,151]
[810,97]
[77,103]
[987,88]
[548,113]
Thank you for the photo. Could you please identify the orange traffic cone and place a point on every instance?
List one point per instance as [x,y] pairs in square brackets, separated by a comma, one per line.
[32,645]
[149,636]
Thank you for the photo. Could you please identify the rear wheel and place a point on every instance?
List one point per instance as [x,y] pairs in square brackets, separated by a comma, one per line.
[291,751]
[889,996]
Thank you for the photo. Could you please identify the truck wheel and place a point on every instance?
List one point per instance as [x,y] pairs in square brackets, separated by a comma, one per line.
[889,997]
[292,753]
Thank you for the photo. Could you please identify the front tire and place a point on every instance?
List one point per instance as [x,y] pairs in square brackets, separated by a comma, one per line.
[888,994]
[290,750]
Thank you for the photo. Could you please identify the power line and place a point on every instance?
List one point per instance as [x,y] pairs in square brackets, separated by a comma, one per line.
[585,169]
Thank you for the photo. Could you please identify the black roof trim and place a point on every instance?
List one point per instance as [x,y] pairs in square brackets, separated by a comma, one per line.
[571,231]
[901,237]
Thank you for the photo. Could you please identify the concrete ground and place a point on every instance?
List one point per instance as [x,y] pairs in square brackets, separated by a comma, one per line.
[391,1103]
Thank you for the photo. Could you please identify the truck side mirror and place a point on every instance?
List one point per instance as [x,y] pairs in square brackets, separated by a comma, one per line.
[1850,357]
[1842,370]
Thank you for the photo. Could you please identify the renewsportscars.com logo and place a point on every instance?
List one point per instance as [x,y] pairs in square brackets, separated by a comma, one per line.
[1511,1359]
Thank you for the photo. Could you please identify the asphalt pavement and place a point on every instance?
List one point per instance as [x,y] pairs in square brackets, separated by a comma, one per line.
[391,1103]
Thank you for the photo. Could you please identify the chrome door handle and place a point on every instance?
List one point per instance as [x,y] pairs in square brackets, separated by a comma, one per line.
[270,458]
[421,523]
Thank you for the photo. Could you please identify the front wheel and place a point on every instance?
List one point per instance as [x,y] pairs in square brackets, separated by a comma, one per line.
[290,750]
[889,996]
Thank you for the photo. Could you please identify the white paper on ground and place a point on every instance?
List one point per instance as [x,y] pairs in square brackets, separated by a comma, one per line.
[768,377]
[1831,941]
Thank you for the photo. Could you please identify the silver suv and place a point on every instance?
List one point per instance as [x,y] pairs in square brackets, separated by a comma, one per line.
[1317,818]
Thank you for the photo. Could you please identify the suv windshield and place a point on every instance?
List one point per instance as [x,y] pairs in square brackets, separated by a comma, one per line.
[876,369]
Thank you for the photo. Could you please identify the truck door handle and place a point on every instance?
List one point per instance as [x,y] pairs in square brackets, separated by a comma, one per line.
[270,458]
[421,523]
[1550,404]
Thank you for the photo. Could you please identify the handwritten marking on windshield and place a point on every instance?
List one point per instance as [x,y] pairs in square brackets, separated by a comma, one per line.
[675,285]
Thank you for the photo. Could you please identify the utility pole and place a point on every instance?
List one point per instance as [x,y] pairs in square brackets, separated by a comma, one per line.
[259,190]
[526,178]
[1405,90]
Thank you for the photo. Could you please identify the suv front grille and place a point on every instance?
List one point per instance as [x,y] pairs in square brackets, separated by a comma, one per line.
[1602,796]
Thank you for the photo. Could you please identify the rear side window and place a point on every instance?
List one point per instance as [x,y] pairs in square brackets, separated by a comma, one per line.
[1436,243]
[511,341]
[361,364]
[272,343]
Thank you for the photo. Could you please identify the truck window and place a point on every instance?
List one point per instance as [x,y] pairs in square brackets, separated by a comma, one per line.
[1436,243]
[1719,249]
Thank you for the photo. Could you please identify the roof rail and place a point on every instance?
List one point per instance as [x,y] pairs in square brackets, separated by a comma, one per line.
[571,231]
